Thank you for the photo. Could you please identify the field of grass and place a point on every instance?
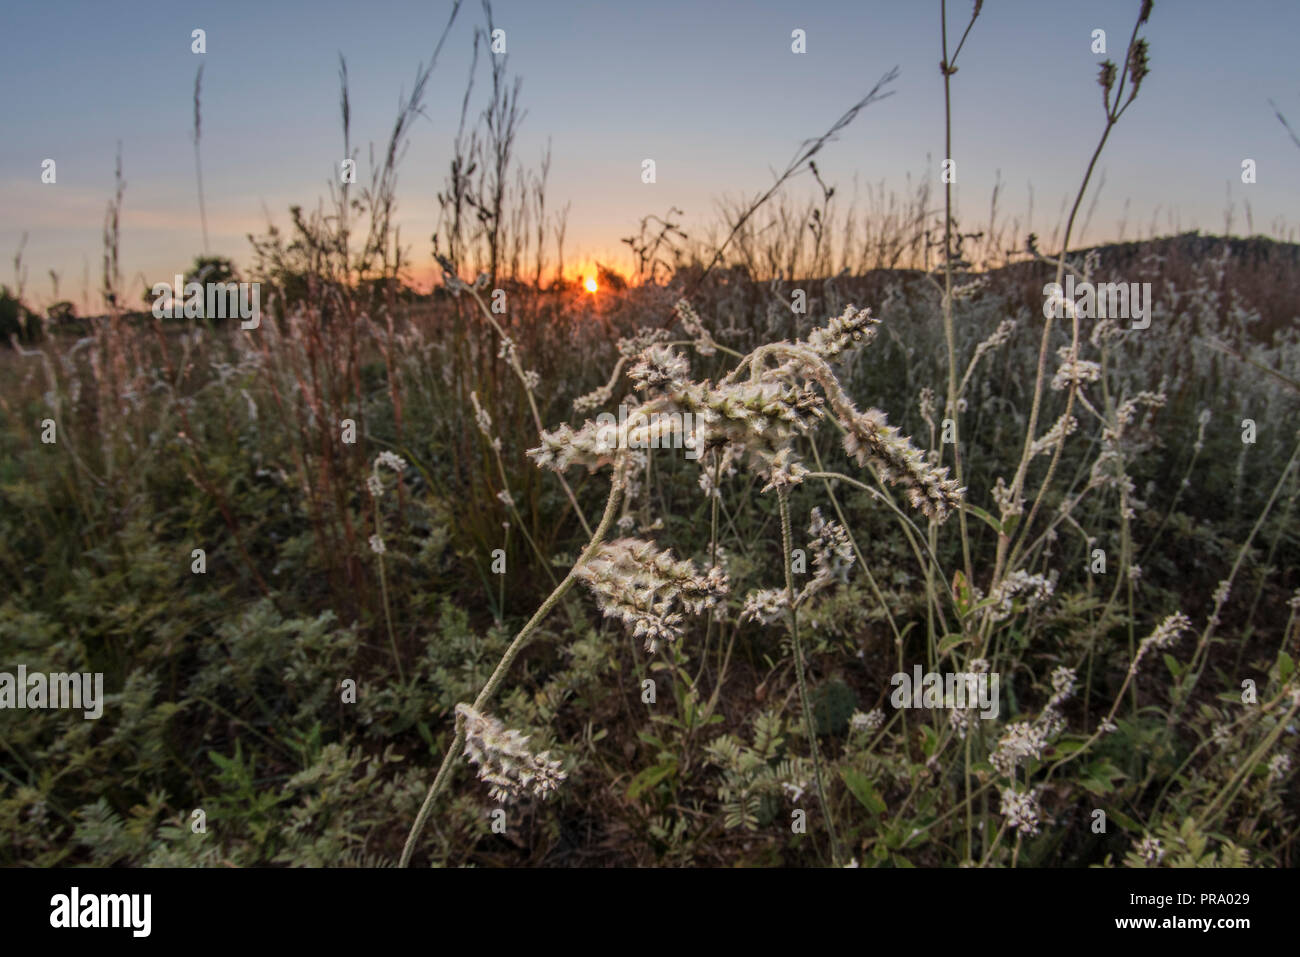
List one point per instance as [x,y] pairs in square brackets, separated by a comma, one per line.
[373,584]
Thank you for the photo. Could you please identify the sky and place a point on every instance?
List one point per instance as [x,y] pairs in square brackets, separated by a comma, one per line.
[710,90]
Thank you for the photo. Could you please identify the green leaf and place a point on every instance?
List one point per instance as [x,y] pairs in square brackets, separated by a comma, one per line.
[650,777]
[1126,822]
[931,742]
[1174,665]
[1284,666]
[983,516]
[863,790]
[949,642]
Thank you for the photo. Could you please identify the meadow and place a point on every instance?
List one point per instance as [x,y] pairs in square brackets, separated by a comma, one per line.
[374,584]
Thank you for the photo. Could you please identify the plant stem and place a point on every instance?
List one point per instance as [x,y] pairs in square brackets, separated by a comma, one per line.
[507,659]
[783,497]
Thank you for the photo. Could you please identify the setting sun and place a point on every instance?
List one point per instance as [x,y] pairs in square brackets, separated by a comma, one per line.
[590,284]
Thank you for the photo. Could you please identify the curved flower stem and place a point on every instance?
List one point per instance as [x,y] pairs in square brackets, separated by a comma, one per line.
[383,587]
[507,659]
[783,497]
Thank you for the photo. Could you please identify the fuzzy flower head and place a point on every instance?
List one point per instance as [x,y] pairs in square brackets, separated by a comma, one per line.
[1034,590]
[388,460]
[1020,742]
[849,330]
[1150,850]
[1164,635]
[783,470]
[1279,766]
[1063,680]
[869,722]
[1021,811]
[484,421]
[832,555]
[504,762]
[391,461]
[657,368]
[1074,371]
[765,605]
[870,439]
[649,590]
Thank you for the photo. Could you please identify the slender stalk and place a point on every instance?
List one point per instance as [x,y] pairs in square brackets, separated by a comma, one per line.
[783,497]
[520,642]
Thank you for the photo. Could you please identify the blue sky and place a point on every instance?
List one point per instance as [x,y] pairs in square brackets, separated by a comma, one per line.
[711,91]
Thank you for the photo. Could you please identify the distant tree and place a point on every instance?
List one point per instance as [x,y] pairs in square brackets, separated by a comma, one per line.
[16,319]
[61,312]
[211,269]
[205,269]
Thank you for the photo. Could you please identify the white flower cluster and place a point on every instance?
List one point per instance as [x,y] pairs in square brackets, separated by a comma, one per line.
[484,421]
[765,605]
[1001,335]
[1073,370]
[1063,680]
[1021,810]
[763,414]
[1006,503]
[389,460]
[832,554]
[870,722]
[593,399]
[1150,850]
[1279,766]
[1019,742]
[783,470]
[504,762]
[869,439]
[850,329]
[644,588]
[1036,589]
[659,367]
[1064,426]
[1164,635]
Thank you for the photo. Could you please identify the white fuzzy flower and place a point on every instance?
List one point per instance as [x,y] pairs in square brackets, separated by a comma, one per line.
[1021,810]
[504,762]
[869,722]
[1019,742]
[1164,635]
[377,545]
[392,461]
[1279,766]
[852,328]
[1073,370]
[1150,850]
[765,605]
[644,588]
[1035,589]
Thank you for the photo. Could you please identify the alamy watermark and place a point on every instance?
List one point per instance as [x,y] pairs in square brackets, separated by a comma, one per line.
[55,690]
[634,429]
[212,300]
[75,909]
[1105,300]
[954,689]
